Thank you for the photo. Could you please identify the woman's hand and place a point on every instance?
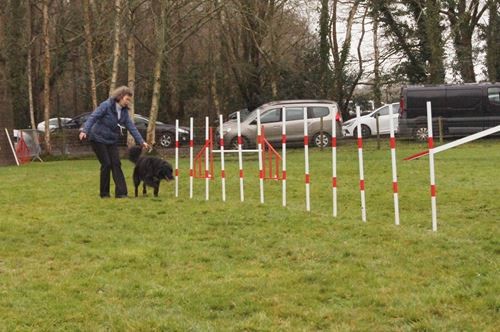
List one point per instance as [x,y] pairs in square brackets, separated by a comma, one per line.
[82,136]
[146,146]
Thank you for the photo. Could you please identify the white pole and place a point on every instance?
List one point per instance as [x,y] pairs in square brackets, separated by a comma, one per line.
[334,161]
[361,167]
[431,166]
[240,156]
[306,159]
[261,166]
[12,146]
[394,166]
[283,152]
[176,158]
[191,147]
[207,161]
[222,166]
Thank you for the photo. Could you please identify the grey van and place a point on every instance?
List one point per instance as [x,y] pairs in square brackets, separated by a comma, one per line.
[271,120]
[464,109]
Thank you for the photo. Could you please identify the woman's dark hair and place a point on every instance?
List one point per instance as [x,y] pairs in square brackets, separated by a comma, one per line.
[121,92]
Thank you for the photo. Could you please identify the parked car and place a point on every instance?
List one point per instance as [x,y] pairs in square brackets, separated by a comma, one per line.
[53,124]
[271,120]
[369,122]
[464,109]
[165,133]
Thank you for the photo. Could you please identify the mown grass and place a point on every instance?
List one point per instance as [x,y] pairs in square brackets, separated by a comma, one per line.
[71,261]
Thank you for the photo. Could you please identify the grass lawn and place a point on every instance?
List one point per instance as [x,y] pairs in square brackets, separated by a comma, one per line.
[71,261]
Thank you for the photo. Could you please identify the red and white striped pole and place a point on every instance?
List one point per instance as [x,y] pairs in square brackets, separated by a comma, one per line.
[334,161]
[394,167]
[306,159]
[207,161]
[283,153]
[240,156]
[191,147]
[222,166]
[176,158]
[261,166]
[361,167]
[431,166]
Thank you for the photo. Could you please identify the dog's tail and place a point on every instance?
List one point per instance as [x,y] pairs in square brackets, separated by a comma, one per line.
[134,153]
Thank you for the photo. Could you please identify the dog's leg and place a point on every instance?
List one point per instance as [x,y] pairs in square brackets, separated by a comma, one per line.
[144,191]
[137,181]
[156,188]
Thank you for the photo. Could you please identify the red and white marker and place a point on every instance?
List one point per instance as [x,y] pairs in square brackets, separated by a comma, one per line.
[240,156]
[361,167]
[283,153]
[191,147]
[176,158]
[261,166]
[207,161]
[431,166]
[394,167]
[222,166]
[334,161]
[306,159]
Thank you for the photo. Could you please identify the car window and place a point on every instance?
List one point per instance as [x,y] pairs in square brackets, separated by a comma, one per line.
[273,115]
[384,111]
[317,112]
[494,95]
[294,114]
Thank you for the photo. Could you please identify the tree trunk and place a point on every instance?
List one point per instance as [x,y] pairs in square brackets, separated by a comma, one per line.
[46,78]
[493,42]
[324,48]
[434,43]
[28,66]
[116,49]
[88,43]
[160,28]
[377,93]
[131,69]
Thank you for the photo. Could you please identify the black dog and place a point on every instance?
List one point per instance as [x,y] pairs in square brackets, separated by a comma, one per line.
[150,170]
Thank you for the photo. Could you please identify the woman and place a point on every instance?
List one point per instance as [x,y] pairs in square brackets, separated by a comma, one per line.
[102,128]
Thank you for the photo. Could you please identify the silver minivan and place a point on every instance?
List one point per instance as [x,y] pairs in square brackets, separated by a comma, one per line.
[271,120]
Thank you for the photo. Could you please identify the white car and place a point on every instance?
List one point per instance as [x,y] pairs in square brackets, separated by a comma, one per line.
[53,123]
[369,122]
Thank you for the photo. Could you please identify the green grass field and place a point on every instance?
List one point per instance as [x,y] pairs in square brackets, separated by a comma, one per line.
[71,261]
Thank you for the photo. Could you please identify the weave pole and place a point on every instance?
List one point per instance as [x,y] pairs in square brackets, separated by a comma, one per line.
[306,160]
[283,153]
[361,167]
[240,156]
[176,158]
[207,161]
[261,165]
[334,162]
[431,166]
[12,146]
[394,167]
[222,166]
[191,147]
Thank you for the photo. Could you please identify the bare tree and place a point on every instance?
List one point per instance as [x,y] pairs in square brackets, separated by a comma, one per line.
[160,31]
[90,58]
[464,19]
[46,67]
[116,47]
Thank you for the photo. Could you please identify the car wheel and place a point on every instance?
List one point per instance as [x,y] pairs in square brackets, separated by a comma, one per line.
[234,143]
[365,131]
[321,144]
[167,140]
[421,133]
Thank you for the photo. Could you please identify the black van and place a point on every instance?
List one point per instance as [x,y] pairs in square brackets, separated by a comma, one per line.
[464,109]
